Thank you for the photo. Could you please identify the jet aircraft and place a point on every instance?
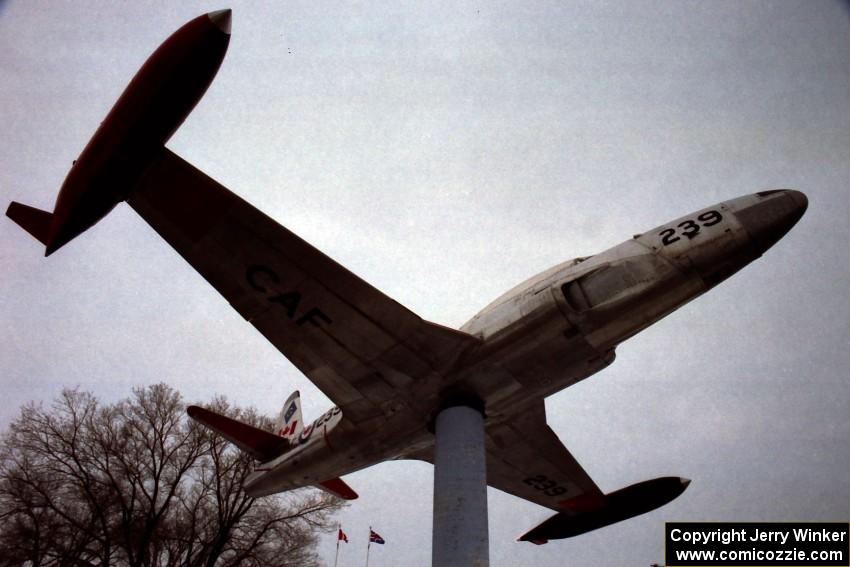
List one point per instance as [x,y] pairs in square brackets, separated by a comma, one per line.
[388,371]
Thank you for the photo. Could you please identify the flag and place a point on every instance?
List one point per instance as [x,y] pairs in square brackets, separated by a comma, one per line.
[375,538]
[342,536]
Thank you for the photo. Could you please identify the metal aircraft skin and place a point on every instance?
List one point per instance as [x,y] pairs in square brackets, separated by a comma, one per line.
[388,371]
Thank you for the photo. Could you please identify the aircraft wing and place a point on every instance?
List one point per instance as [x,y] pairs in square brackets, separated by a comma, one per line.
[525,458]
[361,348]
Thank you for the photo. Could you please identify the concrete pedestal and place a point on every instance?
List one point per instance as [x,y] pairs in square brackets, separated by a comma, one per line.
[460,537]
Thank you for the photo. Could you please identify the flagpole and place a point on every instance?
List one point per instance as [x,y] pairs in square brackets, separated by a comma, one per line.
[338,530]
[368,546]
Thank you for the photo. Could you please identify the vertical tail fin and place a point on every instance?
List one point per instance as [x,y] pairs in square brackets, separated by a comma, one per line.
[290,423]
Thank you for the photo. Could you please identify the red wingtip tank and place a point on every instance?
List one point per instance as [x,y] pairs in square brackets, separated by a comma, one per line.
[615,507]
[152,107]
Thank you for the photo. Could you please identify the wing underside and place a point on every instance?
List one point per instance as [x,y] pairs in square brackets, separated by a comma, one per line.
[361,348]
[525,458]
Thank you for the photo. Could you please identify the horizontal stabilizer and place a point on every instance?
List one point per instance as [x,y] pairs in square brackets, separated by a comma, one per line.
[35,221]
[259,443]
[338,487]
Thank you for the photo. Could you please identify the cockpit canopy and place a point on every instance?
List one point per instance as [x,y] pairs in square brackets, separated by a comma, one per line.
[610,281]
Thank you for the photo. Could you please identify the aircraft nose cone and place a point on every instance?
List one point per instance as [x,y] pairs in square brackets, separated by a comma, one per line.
[772,216]
[221,19]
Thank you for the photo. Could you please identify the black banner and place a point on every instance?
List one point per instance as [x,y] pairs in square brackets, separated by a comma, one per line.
[757,544]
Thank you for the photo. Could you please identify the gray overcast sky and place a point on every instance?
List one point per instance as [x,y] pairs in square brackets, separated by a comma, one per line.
[445,152]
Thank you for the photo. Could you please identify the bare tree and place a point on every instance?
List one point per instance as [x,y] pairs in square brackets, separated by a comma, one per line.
[136,483]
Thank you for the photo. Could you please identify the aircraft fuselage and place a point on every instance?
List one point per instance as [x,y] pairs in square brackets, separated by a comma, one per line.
[390,372]
[558,328]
